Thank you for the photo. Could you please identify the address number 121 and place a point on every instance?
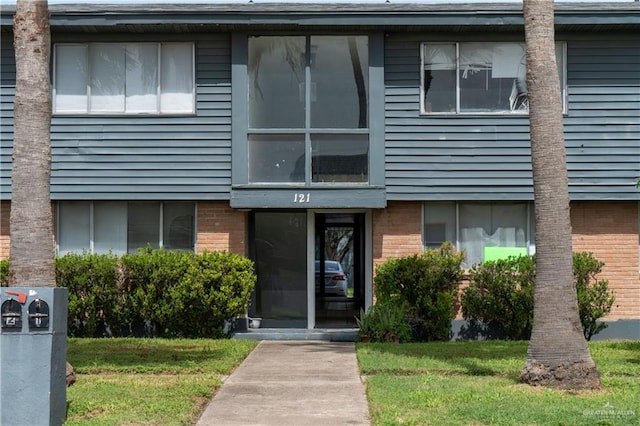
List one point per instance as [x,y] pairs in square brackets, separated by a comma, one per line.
[301,197]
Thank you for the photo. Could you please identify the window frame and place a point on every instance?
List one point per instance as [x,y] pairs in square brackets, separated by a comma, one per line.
[92,225]
[158,94]
[308,132]
[517,113]
[529,222]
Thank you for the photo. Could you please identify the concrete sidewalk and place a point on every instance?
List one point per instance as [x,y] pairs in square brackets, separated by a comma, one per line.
[292,383]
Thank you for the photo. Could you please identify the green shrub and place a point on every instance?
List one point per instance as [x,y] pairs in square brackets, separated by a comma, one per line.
[216,286]
[594,297]
[4,272]
[427,285]
[150,279]
[385,322]
[500,295]
[94,294]
[499,299]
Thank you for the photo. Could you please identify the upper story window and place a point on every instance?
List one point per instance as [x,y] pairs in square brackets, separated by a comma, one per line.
[478,78]
[308,109]
[124,78]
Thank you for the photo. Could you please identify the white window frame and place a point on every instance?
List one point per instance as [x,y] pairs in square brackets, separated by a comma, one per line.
[161,236]
[423,110]
[87,109]
[530,244]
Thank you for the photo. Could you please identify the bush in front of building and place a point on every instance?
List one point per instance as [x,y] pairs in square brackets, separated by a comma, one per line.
[4,272]
[386,321]
[499,300]
[150,280]
[152,292]
[427,284]
[216,286]
[594,297]
[95,298]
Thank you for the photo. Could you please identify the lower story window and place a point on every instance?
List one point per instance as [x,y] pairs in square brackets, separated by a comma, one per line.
[124,227]
[483,230]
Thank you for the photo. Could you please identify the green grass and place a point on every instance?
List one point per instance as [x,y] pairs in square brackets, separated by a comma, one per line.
[147,381]
[476,383]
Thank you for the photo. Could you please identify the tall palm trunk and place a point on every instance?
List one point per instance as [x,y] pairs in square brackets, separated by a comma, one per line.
[558,355]
[32,250]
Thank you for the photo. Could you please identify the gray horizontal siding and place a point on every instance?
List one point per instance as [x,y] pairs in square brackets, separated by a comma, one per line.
[488,157]
[7,92]
[151,157]
[602,129]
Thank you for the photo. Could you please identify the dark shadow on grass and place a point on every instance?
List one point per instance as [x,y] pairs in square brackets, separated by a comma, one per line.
[149,355]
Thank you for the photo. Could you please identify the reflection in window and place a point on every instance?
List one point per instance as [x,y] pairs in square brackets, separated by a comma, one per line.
[340,158]
[477,77]
[276,158]
[299,85]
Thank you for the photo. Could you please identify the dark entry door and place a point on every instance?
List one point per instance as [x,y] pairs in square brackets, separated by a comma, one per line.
[339,272]
[279,250]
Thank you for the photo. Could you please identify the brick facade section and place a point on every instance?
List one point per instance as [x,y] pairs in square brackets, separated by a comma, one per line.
[397,231]
[5,207]
[221,228]
[610,231]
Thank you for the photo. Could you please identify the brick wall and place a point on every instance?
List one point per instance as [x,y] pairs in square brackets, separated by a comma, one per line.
[5,206]
[610,231]
[221,228]
[397,231]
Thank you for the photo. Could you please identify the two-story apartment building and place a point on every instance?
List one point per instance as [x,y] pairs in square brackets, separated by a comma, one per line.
[300,133]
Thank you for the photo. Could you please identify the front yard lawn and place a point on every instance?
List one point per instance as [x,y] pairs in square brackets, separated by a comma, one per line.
[147,381]
[476,383]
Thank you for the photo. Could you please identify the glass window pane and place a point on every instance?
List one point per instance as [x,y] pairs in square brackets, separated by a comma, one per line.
[142,77]
[143,225]
[107,65]
[276,82]
[340,158]
[178,226]
[71,78]
[73,231]
[177,78]
[276,158]
[439,223]
[110,227]
[491,225]
[492,77]
[440,78]
[280,255]
[339,81]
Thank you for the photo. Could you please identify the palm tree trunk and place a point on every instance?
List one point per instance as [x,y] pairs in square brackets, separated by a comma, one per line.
[558,355]
[32,250]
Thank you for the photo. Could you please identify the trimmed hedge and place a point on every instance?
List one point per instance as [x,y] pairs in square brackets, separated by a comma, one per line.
[153,292]
[499,299]
[427,284]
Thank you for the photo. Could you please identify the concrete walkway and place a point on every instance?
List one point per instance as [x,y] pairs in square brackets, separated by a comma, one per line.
[292,383]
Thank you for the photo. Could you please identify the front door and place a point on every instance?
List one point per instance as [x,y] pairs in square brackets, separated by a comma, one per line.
[310,268]
[339,268]
[279,249]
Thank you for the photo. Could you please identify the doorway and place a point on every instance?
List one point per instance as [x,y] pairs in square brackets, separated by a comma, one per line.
[339,269]
[310,268]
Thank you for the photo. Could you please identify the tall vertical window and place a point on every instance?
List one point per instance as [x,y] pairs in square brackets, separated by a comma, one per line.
[308,109]
[478,78]
[120,227]
[483,230]
[124,78]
